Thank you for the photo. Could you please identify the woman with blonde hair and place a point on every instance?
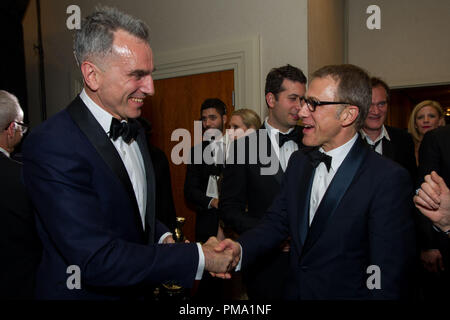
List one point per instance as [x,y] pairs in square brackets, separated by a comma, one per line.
[243,120]
[426,116]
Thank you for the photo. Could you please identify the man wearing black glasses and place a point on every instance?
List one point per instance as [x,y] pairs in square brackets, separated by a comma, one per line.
[20,245]
[346,208]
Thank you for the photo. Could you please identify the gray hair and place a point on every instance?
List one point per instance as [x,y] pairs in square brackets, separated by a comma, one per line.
[9,108]
[353,87]
[96,36]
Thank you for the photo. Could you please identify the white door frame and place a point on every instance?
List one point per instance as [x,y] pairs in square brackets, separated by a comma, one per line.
[243,57]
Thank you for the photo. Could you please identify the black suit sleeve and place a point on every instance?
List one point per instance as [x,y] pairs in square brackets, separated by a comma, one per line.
[429,160]
[194,184]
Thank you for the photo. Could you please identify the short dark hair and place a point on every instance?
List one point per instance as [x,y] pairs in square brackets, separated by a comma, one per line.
[215,103]
[377,82]
[276,76]
[353,87]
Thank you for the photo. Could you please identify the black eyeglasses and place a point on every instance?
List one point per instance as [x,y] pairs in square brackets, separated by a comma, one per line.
[312,103]
[23,126]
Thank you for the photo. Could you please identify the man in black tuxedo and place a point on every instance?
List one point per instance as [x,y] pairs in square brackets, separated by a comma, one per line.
[394,143]
[346,208]
[21,247]
[247,191]
[434,155]
[202,174]
[91,179]
[201,186]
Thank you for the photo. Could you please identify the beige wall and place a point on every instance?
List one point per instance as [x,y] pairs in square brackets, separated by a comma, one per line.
[326,26]
[175,25]
[412,47]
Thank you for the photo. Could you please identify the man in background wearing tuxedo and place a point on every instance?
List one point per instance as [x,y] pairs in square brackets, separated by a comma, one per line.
[247,191]
[201,184]
[21,248]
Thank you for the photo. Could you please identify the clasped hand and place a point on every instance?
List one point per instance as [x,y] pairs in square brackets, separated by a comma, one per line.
[221,257]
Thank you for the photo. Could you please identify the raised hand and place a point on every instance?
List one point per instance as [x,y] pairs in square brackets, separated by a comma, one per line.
[433,200]
[217,262]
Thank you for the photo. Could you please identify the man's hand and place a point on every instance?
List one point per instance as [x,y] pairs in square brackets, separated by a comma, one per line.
[433,200]
[168,239]
[217,262]
[228,245]
[432,260]
[215,203]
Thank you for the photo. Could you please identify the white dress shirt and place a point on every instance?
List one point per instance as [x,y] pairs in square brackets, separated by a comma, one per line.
[379,147]
[134,164]
[322,177]
[288,148]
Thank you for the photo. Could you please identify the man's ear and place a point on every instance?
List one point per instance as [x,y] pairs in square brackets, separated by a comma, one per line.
[11,130]
[349,115]
[91,75]
[270,99]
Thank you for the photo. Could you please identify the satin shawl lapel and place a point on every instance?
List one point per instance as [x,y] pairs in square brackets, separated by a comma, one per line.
[336,190]
[304,195]
[269,151]
[388,149]
[150,178]
[101,142]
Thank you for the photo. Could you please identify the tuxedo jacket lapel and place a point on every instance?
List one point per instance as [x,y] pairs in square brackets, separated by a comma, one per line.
[278,176]
[388,149]
[101,142]
[336,190]
[305,182]
[150,213]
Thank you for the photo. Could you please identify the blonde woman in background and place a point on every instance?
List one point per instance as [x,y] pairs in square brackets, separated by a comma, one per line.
[243,120]
[426,116]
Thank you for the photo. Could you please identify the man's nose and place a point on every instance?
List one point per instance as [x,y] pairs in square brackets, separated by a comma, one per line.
[148,85]
[374,109]
[303,111]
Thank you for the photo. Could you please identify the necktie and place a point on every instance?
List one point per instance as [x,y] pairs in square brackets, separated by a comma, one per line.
[127,130]
[375,145]
[316,157]
[282,138]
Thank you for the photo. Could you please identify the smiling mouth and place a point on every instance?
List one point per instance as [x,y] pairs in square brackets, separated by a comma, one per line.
[137,100]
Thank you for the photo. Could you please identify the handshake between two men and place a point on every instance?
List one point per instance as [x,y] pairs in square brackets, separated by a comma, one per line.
[221,257]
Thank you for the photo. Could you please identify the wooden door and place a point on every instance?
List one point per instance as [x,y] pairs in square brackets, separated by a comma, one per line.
[176,104]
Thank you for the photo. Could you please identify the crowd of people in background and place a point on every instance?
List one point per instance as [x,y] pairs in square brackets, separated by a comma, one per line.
[350,192]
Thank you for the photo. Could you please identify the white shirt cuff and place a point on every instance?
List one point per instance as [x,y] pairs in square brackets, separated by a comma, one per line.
[201,263]
[238,267]
[165,235]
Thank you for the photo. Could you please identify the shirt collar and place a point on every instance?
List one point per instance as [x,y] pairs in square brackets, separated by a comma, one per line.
[6,153]
[273,131]
[338,154]
[100,114]
[384,134]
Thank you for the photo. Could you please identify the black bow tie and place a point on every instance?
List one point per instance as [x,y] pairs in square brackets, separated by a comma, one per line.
[316,157]
[127,130]
[282,137]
